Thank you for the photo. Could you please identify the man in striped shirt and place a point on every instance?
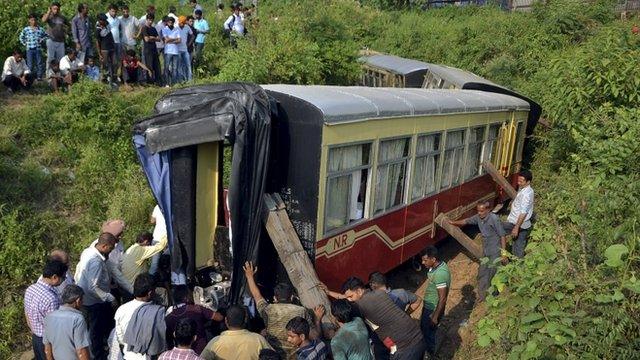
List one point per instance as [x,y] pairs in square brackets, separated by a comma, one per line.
[40,299]
[32,37]
[298,335]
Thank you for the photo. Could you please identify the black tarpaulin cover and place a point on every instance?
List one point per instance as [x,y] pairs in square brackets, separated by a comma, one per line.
[239,112]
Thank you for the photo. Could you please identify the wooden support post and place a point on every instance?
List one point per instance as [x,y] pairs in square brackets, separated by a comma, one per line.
[293,256]
[498,178]
[474,248]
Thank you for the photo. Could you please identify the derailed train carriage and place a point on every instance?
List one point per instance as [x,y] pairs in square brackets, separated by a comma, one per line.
[363,171]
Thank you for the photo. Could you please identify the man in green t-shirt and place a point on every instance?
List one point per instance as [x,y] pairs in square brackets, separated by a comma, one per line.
[435,295]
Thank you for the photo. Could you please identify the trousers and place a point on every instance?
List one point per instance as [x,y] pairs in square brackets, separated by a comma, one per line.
[34,61]
[38,347]
[428,331]
[520,243]
[101,322]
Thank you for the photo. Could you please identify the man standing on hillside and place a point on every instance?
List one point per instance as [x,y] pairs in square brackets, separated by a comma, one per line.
[519,221]
[41,299]
[81,32]
[31,37]
[129,26]
[494,241]
[435,295]
[65,330]
[171,36]
[93,275]
[183,49]
[106,48]
[56,29]
[116,29]
[202,29]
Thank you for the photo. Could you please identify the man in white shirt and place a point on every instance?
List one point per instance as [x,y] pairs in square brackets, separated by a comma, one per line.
[128,316]
[15,73]
[235,23]
[519,219]
[172,14]
[115,27]
[129,27]
[159,231]
[93,275]
[171,37]
[71,66]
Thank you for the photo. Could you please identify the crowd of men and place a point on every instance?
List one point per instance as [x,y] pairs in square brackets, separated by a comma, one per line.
[115,306]
[114,47]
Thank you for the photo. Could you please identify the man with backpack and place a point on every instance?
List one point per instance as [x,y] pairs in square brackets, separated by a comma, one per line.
[234,25]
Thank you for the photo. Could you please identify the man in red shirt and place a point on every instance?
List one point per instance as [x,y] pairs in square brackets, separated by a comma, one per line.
[185,308]
[132,65]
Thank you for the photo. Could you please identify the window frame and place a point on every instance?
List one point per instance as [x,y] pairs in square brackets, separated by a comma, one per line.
[444,152]
[482,144]
[335,174]
[417,155]
[387,163]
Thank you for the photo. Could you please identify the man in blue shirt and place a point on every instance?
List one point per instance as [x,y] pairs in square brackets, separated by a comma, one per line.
[202,28]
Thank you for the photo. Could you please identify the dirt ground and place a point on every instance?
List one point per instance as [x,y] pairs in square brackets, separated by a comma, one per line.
[454,333]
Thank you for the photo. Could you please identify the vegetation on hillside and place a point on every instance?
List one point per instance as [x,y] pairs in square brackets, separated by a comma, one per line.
[66,162]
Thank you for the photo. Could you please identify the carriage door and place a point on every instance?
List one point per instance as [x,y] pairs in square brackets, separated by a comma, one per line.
[506,146]
[208,198]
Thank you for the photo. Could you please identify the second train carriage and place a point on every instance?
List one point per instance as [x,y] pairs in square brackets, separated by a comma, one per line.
[363,171]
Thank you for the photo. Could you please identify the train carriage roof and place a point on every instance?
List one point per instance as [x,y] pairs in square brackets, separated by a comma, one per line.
[394,64]
[349,104]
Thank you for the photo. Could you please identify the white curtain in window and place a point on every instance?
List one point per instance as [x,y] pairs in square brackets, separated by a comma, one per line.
[419,177]
[452,158]
[395,187]
[430,172]
[345,157]
[337,202]
[472,167]
[387,179]
[355,210]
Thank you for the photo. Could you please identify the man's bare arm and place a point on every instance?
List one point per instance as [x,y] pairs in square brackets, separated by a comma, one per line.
[249,272]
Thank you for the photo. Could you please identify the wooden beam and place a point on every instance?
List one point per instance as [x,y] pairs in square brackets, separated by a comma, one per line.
[474,248]
[498,178]
[293,256]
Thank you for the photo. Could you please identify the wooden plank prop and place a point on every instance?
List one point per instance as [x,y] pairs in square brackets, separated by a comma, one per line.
[293,256]
[498,178]
[473,247]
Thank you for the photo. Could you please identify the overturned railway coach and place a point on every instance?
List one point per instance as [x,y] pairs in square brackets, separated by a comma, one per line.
[363,171]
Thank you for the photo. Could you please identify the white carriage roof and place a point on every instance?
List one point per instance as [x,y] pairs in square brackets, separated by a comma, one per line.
[347,104]
[394,63]
[457,76]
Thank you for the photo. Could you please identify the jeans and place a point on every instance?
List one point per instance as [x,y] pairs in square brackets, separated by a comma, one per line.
[199,47]
[55,51]
[185,66]
[428,331]
[486,272]
[153,63]
[109,66]
[38,347]
[34,61]
[171,68]
[520,243]
[101,322]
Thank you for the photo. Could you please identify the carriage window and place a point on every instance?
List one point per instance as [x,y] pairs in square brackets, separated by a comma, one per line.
[491,146]
[453,153]
[474,154]
[348,174]
[425,165]
[393,156]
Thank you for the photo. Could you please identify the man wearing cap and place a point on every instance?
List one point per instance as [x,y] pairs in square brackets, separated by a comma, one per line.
[184,69]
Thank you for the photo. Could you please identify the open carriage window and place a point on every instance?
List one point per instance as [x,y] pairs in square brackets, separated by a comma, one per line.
[426,165]
[453,157]
[391,174]
[474,154]
[348,174]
